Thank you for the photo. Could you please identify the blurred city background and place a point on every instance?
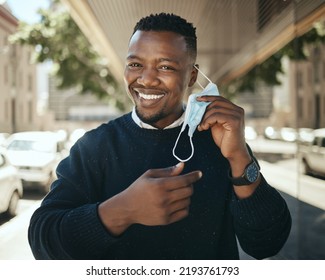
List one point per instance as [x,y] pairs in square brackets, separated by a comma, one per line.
[61,74]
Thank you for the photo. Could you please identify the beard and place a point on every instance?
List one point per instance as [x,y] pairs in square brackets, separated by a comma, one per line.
[151,119]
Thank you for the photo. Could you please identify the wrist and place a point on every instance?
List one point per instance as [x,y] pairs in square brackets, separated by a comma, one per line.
[239,163]
[114,216]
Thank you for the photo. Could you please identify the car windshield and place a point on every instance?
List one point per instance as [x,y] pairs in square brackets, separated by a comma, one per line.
[27,145]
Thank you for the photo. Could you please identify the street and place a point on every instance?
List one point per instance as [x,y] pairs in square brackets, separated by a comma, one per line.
[305,196]
[13,233]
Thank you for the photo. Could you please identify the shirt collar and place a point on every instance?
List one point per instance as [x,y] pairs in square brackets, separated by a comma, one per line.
[142,124]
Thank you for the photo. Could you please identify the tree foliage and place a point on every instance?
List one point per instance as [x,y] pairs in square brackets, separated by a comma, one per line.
[58,39]
[268,71]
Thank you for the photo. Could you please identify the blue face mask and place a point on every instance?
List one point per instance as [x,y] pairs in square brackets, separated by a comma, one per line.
[194,113]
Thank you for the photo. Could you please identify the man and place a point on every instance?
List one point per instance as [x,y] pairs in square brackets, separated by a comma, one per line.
[122,195]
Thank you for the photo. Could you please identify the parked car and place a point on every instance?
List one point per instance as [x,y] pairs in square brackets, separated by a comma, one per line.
[313,154]
[74,136]
[250,133]
[36,155]
[11,189]
[305,135]
[3,138]
[272,133]
[288,134]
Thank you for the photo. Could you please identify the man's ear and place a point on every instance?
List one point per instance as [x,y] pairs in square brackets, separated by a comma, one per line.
[194,74]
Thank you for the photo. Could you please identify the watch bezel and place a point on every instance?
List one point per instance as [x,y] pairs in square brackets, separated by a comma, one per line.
[245,178]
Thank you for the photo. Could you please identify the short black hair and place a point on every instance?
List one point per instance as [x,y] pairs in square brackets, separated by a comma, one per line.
[173,23]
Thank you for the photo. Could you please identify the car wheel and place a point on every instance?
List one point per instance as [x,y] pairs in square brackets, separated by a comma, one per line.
[47,186]
[12,208]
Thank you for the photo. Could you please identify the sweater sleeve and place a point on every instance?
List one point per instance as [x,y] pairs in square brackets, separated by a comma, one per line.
[67,225]
[262,221]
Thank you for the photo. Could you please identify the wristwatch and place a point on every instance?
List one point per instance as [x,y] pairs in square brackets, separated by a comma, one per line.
[250,176]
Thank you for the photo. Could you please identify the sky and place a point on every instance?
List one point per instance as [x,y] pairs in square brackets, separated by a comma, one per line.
[26,10]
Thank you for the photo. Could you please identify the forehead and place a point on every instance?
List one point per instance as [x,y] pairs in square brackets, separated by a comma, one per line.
[165,43]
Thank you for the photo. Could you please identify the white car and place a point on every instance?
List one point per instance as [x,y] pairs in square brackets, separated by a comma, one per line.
[36,155]
[313,154]
[11,189]
[3,138]
[250,133]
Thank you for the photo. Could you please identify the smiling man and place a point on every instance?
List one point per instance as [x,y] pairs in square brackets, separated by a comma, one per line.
[159,77]
[121,194]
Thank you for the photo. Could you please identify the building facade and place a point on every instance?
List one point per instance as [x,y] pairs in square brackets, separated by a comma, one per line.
[18,94]
[300,100]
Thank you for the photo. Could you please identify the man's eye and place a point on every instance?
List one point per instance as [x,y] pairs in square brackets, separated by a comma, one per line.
[134,65]
[167,68]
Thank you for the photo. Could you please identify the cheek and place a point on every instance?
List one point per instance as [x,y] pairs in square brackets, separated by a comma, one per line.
[127,77]
[178,83]
[130,76]
[182,88]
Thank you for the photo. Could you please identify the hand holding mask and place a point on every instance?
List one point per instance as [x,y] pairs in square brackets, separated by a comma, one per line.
[194,113]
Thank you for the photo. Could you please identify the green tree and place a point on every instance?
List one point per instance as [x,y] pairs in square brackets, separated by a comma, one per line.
[267,72]
[58,39]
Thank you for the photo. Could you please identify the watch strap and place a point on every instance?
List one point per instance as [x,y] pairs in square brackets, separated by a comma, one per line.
[242,180]
[239,181]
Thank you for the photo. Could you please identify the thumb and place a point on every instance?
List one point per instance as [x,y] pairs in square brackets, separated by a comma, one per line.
[167,172]
[177,169]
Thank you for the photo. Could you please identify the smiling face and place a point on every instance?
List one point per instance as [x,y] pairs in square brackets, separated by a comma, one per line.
[157,74]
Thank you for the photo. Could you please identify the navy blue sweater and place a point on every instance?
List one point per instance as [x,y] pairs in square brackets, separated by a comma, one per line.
[107,160]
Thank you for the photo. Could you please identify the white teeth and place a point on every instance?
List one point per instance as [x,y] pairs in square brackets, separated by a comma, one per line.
[150,96]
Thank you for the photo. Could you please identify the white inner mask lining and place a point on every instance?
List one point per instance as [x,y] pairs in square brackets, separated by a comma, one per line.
[183,128]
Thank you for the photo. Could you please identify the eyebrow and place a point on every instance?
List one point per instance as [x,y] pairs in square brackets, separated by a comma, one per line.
[169,60]
[132,56]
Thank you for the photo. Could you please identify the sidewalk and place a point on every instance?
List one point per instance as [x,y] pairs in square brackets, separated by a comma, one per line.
[288,180]
[305,197]
[13,237]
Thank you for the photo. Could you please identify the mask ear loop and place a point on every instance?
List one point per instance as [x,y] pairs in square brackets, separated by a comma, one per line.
[199,84]
[192,147]
[202,75]
[179,135]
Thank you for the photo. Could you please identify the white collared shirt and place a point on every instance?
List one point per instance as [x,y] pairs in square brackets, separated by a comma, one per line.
[142,124]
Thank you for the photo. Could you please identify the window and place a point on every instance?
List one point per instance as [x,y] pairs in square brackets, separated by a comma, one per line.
[30,83]
[20,80]
[309,76]
[30,111]
[300,107]
[6,110]
[315,142]
[5,73]
[316,71]
[2,161]
[299,79]
[323,143]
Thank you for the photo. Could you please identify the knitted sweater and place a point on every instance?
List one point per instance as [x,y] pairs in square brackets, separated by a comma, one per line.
[108,159]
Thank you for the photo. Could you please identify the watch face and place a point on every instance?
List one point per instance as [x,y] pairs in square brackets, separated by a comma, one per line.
[252,172]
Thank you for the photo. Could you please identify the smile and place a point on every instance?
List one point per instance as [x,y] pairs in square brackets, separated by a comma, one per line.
[150,96]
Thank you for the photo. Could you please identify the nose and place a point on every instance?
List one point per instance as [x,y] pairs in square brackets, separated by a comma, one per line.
[148,77]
